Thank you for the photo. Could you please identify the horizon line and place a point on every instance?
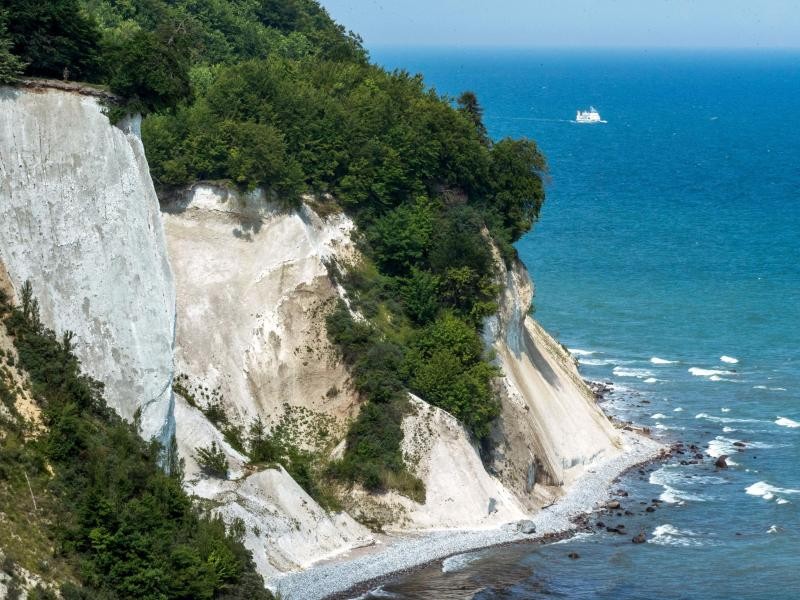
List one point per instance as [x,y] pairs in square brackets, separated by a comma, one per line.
[473,46]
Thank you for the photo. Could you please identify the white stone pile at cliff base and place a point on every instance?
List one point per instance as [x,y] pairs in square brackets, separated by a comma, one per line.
[401,553]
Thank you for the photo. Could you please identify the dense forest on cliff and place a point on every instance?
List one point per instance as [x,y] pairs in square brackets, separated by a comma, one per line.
[274,94]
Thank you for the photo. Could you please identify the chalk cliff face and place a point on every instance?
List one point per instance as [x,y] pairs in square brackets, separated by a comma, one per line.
[79,218]
[252,296]
[235,291]
[550,429]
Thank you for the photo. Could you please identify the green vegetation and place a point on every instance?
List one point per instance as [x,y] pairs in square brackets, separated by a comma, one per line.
[11,66]
[284,445]
[107,521]
[274,94]
[213,460]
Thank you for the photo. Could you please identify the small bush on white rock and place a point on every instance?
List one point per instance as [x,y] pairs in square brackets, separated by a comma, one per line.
[213,461]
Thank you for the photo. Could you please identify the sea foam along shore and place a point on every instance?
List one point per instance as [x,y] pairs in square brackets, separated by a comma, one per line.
[355,574]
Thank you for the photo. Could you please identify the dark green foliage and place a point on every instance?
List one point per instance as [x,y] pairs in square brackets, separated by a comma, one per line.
[128,526]
[373,456]
[11,66]
[53,35]
[150,70]
[400,239]
[516,182]
[305,467]
[469,105]
[213,461]
[445,366]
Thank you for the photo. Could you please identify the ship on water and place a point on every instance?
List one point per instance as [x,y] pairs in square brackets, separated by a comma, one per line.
[588,116]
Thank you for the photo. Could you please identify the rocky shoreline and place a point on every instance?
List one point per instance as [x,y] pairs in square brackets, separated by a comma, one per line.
[350,576]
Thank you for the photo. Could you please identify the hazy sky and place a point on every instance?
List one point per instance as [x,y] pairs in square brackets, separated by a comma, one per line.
[643,23]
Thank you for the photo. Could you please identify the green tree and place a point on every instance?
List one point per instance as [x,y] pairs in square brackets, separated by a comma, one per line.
[150,70]
[400,239]
[11,66]
[469,105]
[517,168]
[53,36]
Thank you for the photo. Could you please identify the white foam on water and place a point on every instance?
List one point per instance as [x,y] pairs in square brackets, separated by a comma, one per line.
[719,446]
[698,372]
[784,422]
[662,361]
[725,409]
[781,501]
[629,372]
[773,529]
[708,417]
[728,359]
[760,387]
[668,535]
[651,380]
[658,416]
[596,362]
[778,389]
[668,479]
[727,429]
[579,352]
[660,425]
[679,409]
[767,491]
[577,537]
[378,592]
[460,561]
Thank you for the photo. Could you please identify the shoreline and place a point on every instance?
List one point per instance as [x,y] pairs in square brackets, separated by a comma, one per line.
[348,576]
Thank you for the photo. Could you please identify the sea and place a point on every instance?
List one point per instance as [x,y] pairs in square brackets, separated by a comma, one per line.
[667,258]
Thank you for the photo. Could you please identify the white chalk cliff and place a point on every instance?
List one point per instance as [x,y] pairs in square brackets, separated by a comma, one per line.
[79,219]
[233,292]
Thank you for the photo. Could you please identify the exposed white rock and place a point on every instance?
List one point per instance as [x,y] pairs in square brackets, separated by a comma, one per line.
[459,491]
[550,428]
[252,295]
[286,529]
[79,218]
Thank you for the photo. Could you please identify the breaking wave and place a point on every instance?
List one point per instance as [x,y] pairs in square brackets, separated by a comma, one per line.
[662,361]
[668,535]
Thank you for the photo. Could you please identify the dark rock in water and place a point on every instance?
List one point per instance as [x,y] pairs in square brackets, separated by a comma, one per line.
[740,444]
[573,555]
[650,509]
[600,524]
[721,463]
[699,456]
[628,513]
[526,527]
[622,526]
[622,493]
[639,539]
[613,504]
[618,529]
[492,505]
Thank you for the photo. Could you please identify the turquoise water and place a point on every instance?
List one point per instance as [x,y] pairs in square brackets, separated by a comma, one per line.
[670,232]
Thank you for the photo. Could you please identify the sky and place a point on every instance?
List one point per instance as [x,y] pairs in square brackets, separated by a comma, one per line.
[573,23]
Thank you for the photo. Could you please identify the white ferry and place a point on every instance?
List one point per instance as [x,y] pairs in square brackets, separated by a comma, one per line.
[588,116]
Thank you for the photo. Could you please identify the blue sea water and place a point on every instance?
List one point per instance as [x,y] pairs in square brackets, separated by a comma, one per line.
[671,232]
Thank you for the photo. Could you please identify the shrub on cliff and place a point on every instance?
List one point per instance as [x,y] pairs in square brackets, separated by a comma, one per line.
[106,505]
[212,460]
